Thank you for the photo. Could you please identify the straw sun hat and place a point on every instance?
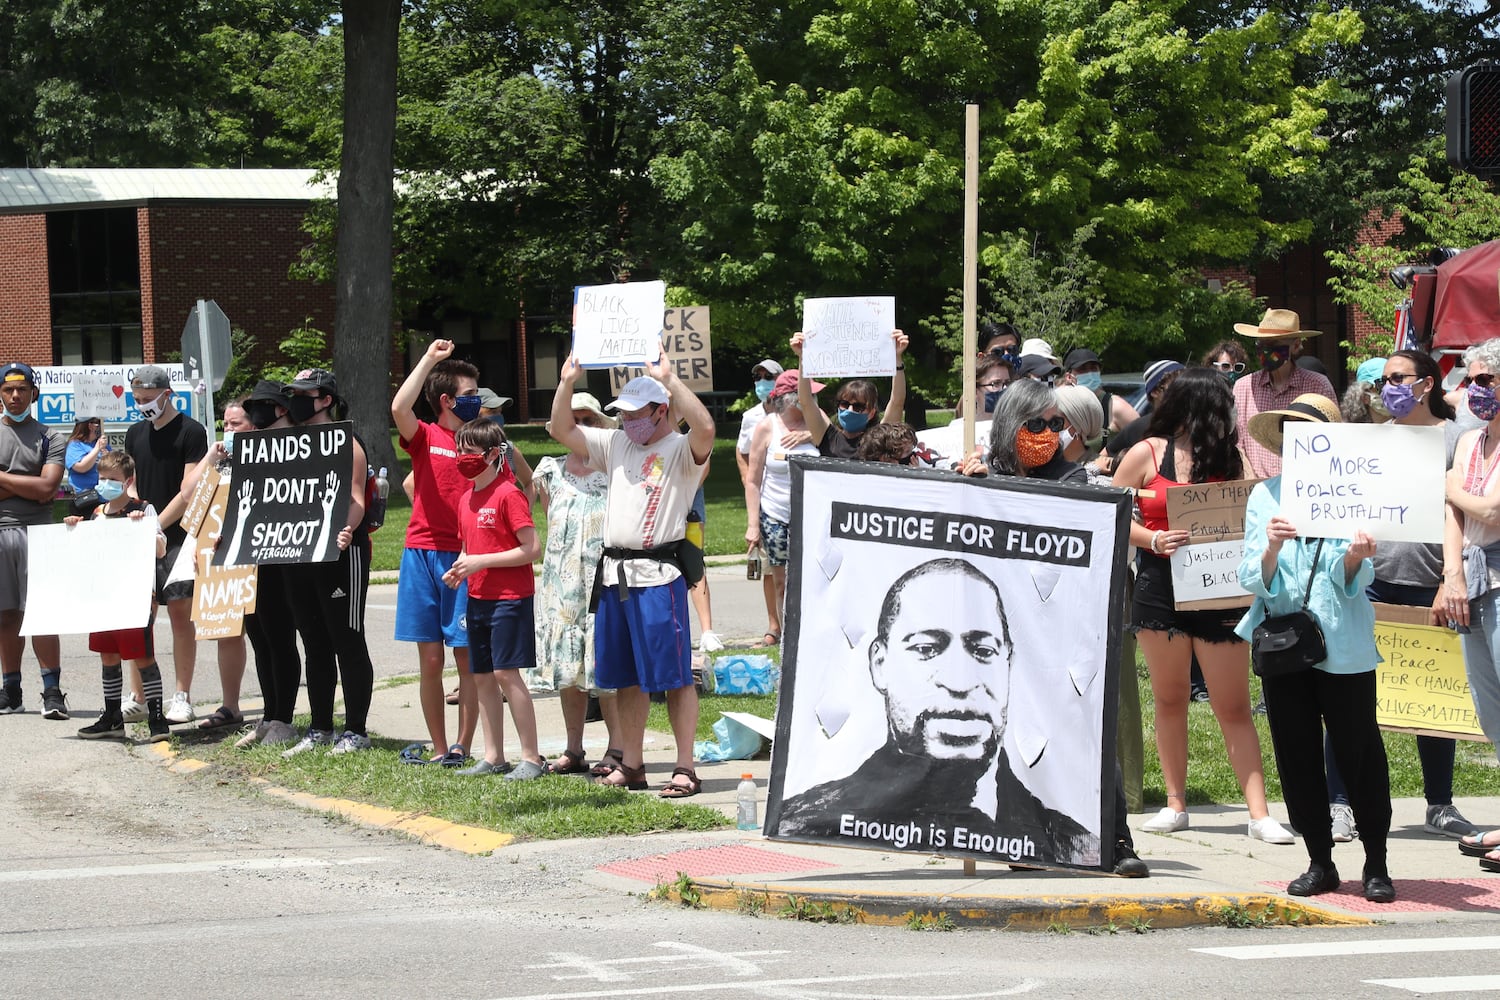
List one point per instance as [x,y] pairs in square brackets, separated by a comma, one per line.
[1310,406]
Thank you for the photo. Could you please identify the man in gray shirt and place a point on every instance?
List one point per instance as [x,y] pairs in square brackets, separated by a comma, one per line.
[31,466]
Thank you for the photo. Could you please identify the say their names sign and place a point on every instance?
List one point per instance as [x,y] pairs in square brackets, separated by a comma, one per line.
[848,337]
[222,595]
[1421,685]
[618,324]
[1205,571]
[1385,479]
[289,495]
[685,337]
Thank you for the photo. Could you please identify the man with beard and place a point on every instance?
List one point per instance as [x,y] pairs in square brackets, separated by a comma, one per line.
[942,658]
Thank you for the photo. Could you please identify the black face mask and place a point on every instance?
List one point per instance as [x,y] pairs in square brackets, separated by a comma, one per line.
[302,408]
[260,413]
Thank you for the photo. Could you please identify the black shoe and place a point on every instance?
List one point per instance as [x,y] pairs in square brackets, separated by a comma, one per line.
[10,700]
[55,704]
[1315,880]
[156,722]
[1378,889]
[109,727]
[1200,692]
[1128,864]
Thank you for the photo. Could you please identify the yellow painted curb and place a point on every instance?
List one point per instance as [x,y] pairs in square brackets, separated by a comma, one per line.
[422,827]
[1019,912]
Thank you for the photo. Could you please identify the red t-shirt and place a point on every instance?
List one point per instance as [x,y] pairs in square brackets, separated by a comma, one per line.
[488,522]
[438,491]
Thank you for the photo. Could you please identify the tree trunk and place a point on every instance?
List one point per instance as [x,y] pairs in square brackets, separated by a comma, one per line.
[362,319]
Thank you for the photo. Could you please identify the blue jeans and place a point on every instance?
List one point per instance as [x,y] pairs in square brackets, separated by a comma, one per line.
[1482,662]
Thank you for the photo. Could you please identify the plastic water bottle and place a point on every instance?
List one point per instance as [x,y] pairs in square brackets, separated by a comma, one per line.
[744,798]
[375,516]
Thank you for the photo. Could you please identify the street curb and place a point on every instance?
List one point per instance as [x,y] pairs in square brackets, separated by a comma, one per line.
[1030,913]
[419,826]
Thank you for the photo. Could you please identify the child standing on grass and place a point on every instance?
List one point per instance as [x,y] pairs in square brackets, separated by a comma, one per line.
[116,488]
[499,546]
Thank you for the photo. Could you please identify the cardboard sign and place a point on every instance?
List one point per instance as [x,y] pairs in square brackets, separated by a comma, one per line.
[618,324]
[949,676]
[848,337]
[101,396]
[1422,687]
[685,337]
[289,495]
[1386,479]
[63,596]
[222,597]
[1206,571]
[198,503]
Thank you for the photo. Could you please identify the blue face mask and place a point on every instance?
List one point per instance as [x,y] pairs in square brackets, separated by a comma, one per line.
[992,398]
[466,408]
[110,490]
[853,422]
[763,387]
[1089,380]
[497,419]
[228,442]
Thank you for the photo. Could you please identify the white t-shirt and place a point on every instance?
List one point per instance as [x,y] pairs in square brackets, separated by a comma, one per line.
[948,442]
[650,493]
[752,416]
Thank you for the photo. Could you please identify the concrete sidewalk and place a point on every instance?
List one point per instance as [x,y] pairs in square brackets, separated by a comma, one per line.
[1208,874]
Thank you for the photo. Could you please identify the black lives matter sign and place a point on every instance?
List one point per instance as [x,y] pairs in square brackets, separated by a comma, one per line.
[288,495]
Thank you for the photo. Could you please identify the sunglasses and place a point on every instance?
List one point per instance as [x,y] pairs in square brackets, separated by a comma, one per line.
[1484,381]
[1395,378]
[1229,366]
[846,404]
[1038,424]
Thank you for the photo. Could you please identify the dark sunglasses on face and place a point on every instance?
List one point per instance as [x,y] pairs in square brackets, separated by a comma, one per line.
[846,404]
[1229,366]
[1037,424]
[1395,378]
[1484,381]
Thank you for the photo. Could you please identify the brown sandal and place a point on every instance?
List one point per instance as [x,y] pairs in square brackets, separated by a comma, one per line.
[635,778]
[612,759]
[672,790]
[570,762]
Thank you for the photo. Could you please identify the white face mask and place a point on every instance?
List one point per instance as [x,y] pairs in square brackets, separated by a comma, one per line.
[1064,439]
[154,408]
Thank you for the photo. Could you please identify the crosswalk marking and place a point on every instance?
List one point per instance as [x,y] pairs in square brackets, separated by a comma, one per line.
[1324,949]
[1442,984]
[179,868]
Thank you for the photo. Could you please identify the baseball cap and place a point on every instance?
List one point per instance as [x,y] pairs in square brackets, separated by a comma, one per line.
[1371,370]
[18,371]
[318,379]
[150,377]
[1036,364]
[491,400]
[767,365]
[639,393]
[267,391]
[1038,346]
[787,382]
[1078,357]
[1160,370]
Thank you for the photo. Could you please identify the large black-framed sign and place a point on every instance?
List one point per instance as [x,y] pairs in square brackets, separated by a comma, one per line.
[949,678]
[289,495]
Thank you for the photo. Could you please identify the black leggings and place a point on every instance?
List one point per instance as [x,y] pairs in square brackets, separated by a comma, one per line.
[328,604]
[273,636]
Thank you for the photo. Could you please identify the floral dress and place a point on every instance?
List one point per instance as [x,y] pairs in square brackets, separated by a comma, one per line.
[575,542]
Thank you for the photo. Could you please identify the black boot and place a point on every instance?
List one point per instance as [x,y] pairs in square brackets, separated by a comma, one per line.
[156,722]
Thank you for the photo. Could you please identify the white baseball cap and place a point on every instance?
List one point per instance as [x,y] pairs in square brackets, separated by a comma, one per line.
[639,393]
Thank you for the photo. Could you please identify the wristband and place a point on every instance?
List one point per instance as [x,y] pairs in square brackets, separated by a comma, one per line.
[1154,539]
[901,368]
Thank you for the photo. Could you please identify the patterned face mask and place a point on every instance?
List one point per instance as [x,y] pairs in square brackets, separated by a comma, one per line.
[1035,449]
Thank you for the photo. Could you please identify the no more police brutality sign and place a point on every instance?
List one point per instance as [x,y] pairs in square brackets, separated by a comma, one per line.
[288,495]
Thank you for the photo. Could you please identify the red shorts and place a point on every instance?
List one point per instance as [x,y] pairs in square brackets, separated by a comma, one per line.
[126,643]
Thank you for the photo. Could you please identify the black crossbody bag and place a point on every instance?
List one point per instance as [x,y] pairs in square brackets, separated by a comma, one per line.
[1286,644]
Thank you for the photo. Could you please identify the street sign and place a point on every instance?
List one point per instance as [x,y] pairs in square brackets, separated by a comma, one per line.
[206,350]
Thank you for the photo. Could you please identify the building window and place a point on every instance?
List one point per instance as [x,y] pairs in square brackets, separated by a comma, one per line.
[94,270]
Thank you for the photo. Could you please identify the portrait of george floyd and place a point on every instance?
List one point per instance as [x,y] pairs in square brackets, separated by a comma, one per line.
[949,677]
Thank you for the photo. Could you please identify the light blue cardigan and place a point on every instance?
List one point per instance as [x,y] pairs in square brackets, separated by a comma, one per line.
[1339,605]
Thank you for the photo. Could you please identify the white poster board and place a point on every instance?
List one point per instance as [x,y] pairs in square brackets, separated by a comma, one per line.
[101,396]
[62,592]
[849,337]
[618,324]
[1385,479]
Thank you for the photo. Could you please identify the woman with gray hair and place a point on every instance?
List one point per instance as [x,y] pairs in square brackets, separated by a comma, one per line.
[1083,436]
[1026,436]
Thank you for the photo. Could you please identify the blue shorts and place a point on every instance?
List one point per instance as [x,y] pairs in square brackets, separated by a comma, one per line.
[502,635]
[426,609]
[644,642]
[775,539]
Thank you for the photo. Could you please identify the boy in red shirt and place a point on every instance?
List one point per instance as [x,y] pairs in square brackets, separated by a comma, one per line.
[499,546]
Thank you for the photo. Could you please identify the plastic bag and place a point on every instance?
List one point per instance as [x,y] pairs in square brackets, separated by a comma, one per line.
[732,741]
[744,674]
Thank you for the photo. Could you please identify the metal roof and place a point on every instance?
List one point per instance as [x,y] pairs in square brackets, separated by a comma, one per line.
[29,192]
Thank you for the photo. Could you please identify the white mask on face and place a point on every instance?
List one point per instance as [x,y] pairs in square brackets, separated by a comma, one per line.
[154,408]
[1064,439]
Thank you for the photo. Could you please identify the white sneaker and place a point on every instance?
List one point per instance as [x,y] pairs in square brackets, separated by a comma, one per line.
[132,710]
[1269,831]
[1168,820]
[1343,823]
[709,642]
[350,742]
[314,738]
[179,709]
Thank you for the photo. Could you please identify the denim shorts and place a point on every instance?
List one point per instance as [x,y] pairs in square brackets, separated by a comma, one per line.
[775,539]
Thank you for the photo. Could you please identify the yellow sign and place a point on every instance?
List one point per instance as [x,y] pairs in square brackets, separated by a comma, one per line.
[1422,687]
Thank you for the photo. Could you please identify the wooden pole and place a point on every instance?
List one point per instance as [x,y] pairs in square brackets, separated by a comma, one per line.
[971,265]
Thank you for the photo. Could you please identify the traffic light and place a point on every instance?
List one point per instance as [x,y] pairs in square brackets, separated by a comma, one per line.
[1473,125]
